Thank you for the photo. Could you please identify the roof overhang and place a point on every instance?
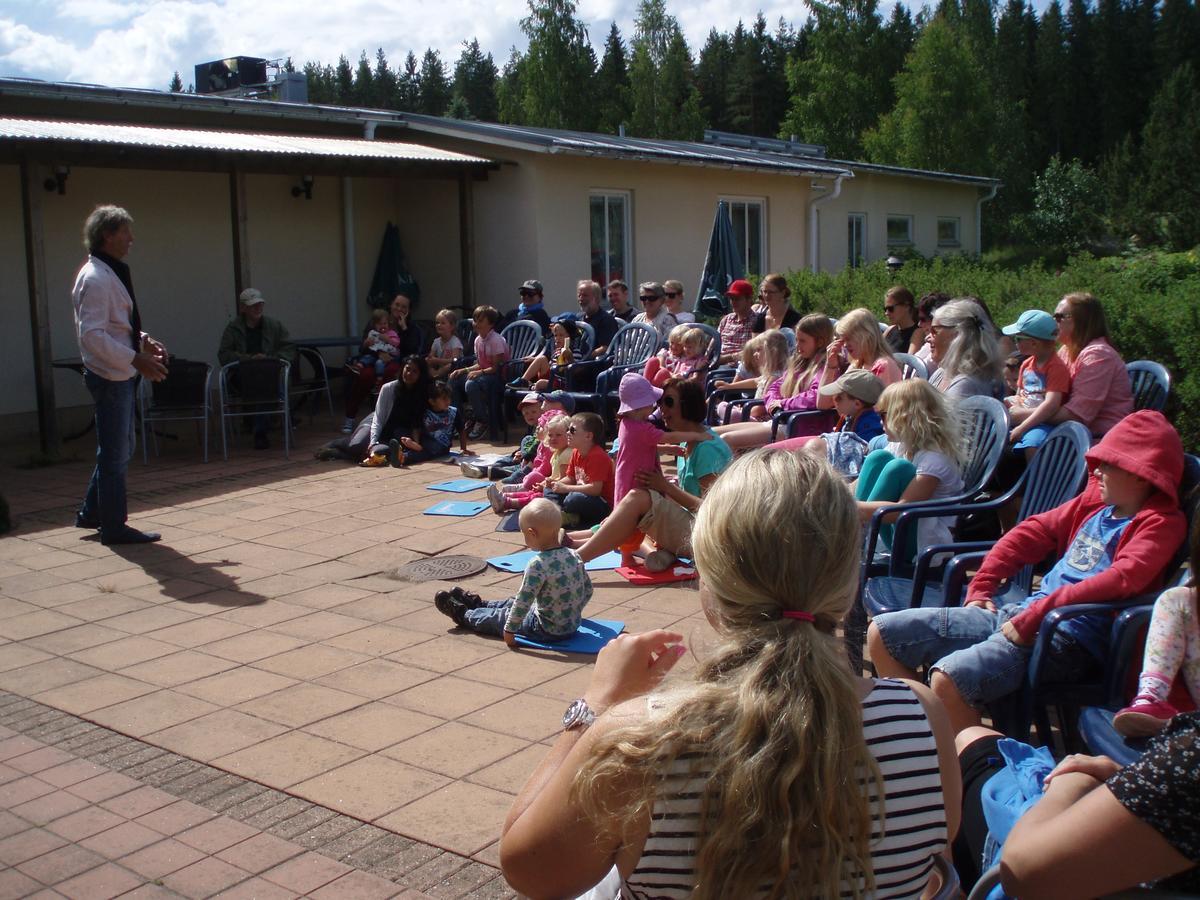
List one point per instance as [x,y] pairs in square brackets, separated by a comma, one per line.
[196,149]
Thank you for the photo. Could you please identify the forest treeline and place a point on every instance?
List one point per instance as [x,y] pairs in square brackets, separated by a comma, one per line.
[1090,114]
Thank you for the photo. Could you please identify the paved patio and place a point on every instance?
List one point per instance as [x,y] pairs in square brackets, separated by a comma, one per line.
[263,638]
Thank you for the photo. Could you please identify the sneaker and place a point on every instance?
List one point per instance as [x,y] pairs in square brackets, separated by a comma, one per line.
[395,456]
[326,454]
[1144,717]
[469,599]
[496,498]
[659,561]
[478,430]
[347,426]
[448,605]
[473,471]
[374,461]
[518,383]
[82,521]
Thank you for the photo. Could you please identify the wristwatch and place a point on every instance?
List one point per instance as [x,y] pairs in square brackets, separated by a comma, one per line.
[578,713]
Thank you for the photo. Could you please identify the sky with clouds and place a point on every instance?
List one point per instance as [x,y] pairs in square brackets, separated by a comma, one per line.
[139,43]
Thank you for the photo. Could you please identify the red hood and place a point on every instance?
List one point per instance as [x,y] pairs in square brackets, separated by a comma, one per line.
[1146,445]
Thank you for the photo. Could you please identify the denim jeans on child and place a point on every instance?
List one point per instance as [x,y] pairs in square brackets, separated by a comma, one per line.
[478,391]
[490,618]
[105,498]
[967,645]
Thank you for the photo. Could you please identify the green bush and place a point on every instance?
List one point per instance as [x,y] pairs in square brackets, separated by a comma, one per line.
[1152,301]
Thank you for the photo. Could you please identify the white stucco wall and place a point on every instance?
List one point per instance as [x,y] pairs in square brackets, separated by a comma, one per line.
[882,195]
[15,337]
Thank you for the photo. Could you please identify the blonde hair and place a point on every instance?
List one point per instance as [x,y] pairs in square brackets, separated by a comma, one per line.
[804,368]
[919,418]
[562,421]
[861,326]
[772,711]
[694,339]
[378,314]
[678,334]
[774,349]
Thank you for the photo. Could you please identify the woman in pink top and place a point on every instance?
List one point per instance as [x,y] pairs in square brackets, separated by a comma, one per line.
[1100,392]
[795,390]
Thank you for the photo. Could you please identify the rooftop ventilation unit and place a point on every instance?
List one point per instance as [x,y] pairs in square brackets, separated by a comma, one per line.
[232,74]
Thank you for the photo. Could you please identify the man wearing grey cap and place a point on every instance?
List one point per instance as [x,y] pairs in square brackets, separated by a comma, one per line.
[253,335]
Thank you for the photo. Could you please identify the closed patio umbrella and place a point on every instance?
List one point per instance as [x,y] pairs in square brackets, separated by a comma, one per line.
[722,266]
[391,273]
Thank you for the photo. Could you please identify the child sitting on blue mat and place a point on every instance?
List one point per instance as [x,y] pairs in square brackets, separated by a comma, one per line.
[550,603]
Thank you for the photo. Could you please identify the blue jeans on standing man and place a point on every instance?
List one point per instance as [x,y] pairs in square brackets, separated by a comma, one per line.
[105,498]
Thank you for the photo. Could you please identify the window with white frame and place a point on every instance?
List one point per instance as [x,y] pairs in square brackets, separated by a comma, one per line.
[750,231]
[899,229]
[948,231]
[611,245]
[856,239]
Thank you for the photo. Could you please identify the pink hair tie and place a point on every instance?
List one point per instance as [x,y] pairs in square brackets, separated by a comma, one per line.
[799,614]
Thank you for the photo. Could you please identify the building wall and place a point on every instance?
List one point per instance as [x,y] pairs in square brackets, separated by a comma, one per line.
[182,261]
[881,195]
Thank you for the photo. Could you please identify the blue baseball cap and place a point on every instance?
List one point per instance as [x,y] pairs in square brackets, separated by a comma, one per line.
[1034,323]
[567,401]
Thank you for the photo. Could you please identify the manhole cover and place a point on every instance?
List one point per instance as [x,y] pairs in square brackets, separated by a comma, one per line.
[439,568]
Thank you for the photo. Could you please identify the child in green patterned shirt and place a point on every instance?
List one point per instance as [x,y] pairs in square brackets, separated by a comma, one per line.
[555,589]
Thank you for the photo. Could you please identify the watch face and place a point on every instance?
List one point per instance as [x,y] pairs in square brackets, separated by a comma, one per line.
[574,713]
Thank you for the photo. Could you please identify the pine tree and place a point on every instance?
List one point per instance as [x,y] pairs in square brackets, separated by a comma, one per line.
[612,84]
[1167,190]
[385,83]
[680,100]
[408,85]
[1178,36]
[176,85]
[364,83]
[1079,137]
[712,80]
[475,83]
[664,101]
[435,87]
[343,83]
[321,89]
[510,91]
[1049,99]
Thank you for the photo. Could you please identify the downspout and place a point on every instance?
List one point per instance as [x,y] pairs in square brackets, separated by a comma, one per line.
[814,243]
[979,218]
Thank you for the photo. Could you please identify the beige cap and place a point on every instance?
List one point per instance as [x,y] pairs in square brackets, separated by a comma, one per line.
[251,296]
[859,384]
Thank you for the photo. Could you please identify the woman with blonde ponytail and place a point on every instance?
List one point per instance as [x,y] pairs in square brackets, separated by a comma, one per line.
[770,769]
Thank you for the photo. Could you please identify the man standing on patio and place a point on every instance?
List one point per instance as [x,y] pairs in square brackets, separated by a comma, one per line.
[115,351]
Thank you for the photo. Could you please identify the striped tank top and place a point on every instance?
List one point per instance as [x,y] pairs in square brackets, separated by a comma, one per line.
[913,829]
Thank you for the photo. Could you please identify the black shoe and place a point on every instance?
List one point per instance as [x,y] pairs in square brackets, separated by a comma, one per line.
[130,535]
[449,606]
[395,455]
[469,599]
[83,522]
[261,442]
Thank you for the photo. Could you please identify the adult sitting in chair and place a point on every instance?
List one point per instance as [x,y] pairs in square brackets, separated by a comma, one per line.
[604,326]
[254,335]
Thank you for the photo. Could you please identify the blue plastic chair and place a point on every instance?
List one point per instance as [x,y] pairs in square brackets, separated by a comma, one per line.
[911,366]
[1056,474]
[714,344]
[632,345]
[1150,383]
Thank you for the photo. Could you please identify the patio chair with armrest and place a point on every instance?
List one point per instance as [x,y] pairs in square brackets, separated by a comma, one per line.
[631,346]
[255,387]
[184,395]
[1150,383]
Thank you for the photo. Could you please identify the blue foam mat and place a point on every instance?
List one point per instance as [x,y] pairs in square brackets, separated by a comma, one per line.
[458,486]
[591,637]
[464,508]
[516,562]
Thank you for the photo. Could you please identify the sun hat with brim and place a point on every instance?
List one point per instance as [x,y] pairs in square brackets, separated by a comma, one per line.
[530,398]
[1034,323]
[858,383]
[636,392]
[1146,445]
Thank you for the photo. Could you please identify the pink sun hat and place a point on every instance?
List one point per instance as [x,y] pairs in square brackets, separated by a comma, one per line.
[636,392]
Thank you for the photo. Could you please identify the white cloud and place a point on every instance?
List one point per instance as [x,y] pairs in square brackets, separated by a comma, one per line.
[99,12]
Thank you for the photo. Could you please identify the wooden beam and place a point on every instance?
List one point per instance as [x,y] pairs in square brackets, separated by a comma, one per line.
[466,238]
[241,239]
[39,311]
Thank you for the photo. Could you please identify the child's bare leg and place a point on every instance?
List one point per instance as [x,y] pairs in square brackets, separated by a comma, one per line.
[962,714]
[539,368]
[885,664]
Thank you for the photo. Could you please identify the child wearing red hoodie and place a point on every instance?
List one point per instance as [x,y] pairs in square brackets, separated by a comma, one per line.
[1112,542]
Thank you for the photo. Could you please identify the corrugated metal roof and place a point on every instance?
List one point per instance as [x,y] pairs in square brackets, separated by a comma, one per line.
[225,141]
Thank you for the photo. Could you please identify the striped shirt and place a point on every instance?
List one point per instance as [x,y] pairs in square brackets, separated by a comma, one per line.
[913,830]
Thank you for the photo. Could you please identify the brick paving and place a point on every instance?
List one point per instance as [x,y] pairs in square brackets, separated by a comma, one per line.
[261,669]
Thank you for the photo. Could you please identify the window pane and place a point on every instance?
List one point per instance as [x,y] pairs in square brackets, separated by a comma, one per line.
[899,229]
[855,239]
[598,249]
[948,231]
[754,255]
[616,240]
